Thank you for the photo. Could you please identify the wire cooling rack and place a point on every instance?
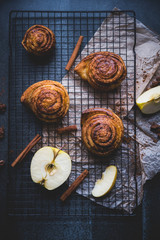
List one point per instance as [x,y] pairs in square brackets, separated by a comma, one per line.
[24,197]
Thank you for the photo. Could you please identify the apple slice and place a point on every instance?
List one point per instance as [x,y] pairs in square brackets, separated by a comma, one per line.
[106,183]
[50,167]
[149,101]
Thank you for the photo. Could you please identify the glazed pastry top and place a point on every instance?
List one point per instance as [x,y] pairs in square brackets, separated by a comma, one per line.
[48,100]
[102,130]
[39,40]
[103,70]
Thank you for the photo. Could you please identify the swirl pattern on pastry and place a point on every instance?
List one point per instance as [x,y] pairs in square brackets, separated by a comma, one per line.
[39,40]
[103,70]
[48,100]
[102,130]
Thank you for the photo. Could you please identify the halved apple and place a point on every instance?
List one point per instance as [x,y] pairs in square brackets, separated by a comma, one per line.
[149,101]
[106,183]
[50,167]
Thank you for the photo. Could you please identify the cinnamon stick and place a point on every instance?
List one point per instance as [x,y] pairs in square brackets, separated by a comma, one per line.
[74,185]
[22,155]
[67,129]
[74,54]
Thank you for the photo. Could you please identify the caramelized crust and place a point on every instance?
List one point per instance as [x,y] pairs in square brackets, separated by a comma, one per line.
[48,100]
[102,130]
[39,40]
[103,70]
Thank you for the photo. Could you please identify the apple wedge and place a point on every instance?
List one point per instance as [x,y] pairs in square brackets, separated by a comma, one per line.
[106,183]
[149,101]
[50,167]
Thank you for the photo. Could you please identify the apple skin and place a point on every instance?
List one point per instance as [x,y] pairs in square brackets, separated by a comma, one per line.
[149,101]
[50,167]
[106,183]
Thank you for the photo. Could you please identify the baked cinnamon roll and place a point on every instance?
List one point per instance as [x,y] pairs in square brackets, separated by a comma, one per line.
[39,40]
[103,70]
[102,130]
[48,100]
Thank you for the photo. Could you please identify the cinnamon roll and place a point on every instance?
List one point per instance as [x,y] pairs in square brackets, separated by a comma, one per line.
[48,100]
[39,40]
[102,130]
[103,70]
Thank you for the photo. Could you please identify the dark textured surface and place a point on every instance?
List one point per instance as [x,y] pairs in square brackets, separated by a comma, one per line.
[71,228]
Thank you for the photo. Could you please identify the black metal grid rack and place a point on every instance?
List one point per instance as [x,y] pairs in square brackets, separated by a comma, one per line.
[24,197]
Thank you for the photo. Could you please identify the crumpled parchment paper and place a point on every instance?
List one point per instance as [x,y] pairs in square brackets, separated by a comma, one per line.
[83,96]
[149,146]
